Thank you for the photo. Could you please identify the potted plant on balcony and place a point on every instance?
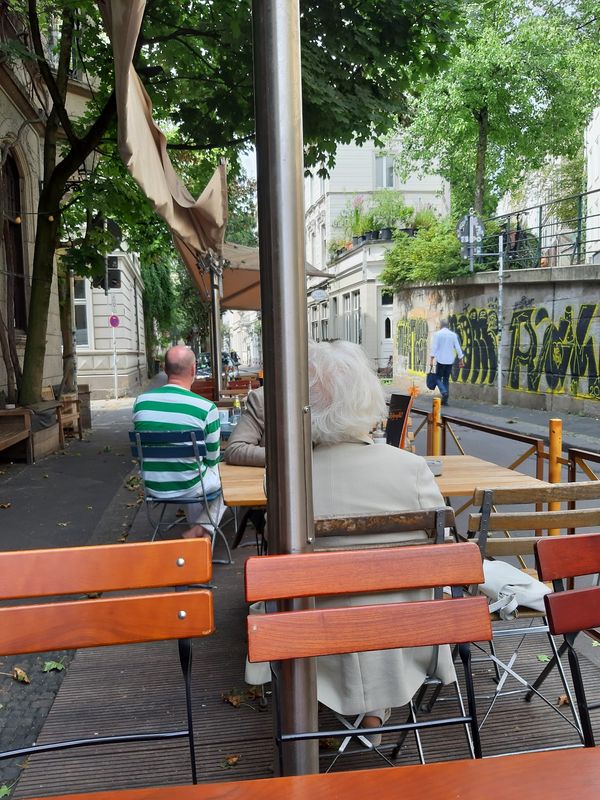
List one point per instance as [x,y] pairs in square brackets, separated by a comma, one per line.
[371,225]
[390,211]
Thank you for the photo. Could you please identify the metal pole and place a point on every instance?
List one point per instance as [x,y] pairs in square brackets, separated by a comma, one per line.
[115,373]
[554,465]
[500,316]
[436,422]
[277,82]
[215,333]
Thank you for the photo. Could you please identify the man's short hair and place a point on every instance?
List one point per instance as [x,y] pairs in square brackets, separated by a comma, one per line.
[443,323]
[178,360]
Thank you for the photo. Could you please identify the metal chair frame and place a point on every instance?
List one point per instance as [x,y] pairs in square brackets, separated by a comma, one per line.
[175,445]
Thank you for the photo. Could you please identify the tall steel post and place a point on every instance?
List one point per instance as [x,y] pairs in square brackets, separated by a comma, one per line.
[279,149]
[215,333]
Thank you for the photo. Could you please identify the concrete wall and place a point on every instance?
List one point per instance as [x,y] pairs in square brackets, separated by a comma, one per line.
[549,352]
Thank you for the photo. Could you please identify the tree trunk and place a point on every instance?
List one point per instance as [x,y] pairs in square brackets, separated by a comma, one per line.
[69,381]
[482,143]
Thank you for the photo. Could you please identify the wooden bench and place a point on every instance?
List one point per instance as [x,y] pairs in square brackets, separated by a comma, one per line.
[15,433]
[65,624]
[535,776]
[68,411]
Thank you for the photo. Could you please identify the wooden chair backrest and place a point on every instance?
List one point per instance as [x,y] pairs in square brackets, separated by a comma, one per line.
[48,393]
[569,557]
[395,522]
[68,624]
[204,388]
[299,634]
[536,520]
[558,492]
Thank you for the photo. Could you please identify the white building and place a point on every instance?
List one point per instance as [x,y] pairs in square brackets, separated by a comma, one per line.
[245,336]
[109,330]
[358,309]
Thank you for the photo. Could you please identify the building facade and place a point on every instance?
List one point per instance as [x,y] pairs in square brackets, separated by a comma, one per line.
[358,308]
[109,331]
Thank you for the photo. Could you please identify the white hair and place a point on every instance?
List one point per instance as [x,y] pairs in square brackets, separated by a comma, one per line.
[346,398]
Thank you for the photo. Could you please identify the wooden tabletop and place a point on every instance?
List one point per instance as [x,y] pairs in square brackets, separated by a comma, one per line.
[461,475]
[534,776]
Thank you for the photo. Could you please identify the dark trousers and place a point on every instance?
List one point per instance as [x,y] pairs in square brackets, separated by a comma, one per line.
[442,373]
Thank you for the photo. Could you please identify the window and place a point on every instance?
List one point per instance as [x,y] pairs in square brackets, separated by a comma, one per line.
[13,243]
[384,172]
[323,247]
[314,323]
[387,333]
[387,298]
[324,322]
[81,315]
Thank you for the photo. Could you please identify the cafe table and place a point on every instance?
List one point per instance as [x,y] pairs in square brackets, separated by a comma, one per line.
[530,776]
[461,475]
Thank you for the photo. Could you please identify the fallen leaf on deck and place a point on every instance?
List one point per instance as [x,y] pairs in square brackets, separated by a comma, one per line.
[45,476]
[563,700]
[329,744]
[229,762]
[90,508]
[4,790]
[50,666]
[233,699]
[63,524]
[543,658]
[595,644]
[5,505]
[20,675]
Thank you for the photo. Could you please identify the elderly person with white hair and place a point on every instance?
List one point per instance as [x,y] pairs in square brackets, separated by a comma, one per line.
[353,476]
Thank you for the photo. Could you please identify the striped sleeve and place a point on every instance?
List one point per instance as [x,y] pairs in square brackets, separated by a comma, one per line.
[212,437]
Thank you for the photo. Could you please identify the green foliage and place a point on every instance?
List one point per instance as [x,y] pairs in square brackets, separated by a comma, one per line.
[521,86]
[389,208]
[433,254]
[352,220]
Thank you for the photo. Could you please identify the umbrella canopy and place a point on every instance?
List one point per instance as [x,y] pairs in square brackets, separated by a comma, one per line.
[240,282]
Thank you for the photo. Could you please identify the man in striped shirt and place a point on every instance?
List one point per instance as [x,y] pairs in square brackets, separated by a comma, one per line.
[174,407]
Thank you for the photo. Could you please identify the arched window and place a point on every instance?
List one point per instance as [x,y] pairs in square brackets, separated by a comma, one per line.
[13,243]
[387,328]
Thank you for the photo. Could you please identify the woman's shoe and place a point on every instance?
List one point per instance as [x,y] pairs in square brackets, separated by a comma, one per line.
[375,738]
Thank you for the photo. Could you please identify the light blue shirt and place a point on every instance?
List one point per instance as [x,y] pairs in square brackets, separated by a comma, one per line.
[444,346]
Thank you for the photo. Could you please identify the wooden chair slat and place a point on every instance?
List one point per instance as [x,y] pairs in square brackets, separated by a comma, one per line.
[572,611]
[499,547]
[74,570]
[534,520]
[558,492]
[398,522]
[115,620]
[348,572]
[568,556]
[300,634]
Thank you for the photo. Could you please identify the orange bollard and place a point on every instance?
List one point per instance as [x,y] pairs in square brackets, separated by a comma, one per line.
[436,425]
[554,465]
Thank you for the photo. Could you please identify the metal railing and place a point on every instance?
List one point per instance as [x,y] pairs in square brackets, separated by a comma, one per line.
[559,233]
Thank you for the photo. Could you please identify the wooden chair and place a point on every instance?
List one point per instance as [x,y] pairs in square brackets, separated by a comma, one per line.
[571,611]
[494,532]
[205,388]
[277,636]
[65,624]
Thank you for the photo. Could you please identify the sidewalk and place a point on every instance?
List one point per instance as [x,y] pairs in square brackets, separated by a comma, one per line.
[74,498]
[578,430]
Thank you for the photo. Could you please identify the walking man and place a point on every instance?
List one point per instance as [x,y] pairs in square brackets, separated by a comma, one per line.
[444,349]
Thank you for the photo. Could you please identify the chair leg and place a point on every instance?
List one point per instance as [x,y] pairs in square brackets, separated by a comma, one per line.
[584,714]
[185,659]
[218,532]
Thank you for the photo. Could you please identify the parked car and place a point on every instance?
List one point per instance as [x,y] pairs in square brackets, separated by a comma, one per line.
[229,369]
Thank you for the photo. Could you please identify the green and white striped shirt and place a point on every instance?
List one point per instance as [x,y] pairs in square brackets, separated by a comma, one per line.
[172,408]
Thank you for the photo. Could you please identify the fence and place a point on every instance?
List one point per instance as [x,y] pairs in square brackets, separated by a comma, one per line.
[555,234]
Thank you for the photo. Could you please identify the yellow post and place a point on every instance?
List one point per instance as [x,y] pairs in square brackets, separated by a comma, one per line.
[554,465]
[436,425]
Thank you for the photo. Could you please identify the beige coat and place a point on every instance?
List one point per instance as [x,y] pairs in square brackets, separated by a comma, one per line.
[354,478]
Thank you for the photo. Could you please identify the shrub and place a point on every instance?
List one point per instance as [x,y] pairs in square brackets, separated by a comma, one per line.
[389,208]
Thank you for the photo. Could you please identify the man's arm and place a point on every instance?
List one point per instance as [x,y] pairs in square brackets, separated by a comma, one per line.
[434,349]
[212,437]
[244,446]
[459,351]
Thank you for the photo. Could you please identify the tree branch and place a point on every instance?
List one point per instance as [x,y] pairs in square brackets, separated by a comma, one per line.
[167,37]
[46,73]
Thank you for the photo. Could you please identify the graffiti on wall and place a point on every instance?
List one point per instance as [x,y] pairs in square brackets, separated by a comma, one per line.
[544,355]
[477,330]
[554,356]
[412,340]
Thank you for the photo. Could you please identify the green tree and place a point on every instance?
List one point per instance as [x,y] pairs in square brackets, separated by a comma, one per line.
[520,88]
[359,61]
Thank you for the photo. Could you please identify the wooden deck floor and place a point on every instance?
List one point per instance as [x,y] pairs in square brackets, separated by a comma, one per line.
[139,687]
